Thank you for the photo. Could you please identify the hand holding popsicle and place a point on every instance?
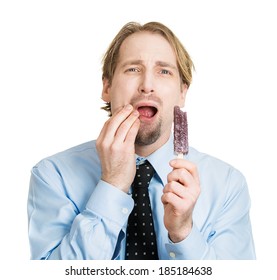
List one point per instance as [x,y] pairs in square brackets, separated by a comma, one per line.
[183,187]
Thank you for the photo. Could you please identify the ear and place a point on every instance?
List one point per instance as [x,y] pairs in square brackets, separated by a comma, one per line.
[183,94]
[106,90]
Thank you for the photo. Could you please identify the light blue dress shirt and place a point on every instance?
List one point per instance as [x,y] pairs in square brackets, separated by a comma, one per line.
[73,214]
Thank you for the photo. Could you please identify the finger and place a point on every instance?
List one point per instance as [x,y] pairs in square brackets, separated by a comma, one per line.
[132,134]
[124,128]
[172,199]
[188,165]
[101,141]
[115,121]
[180,191]
[175,188]
[106,124]
[181,175]
[183,184]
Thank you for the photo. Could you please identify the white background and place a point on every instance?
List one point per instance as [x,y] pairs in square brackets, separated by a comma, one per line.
[50,92]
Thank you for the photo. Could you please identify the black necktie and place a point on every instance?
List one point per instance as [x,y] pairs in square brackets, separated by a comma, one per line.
[141,238]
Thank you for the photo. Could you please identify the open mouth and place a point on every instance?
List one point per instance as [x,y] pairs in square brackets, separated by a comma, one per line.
[147,111]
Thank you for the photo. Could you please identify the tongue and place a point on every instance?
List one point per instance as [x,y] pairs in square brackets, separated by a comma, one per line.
[146,111]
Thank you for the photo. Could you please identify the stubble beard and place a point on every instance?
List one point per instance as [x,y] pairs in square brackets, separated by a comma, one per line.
[147,135]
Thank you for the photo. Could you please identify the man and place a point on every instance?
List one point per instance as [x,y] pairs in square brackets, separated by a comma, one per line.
[80,199]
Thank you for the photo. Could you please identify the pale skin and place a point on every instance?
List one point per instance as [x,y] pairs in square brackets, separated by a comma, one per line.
[147,76]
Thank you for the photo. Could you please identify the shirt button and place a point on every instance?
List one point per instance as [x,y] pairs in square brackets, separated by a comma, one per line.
[125,210]
[172,255]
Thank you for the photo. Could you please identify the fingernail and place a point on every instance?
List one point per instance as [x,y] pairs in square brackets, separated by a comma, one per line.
[128,107]
[135,113]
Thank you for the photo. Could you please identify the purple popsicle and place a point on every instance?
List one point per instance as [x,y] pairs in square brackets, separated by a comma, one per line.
[181,146]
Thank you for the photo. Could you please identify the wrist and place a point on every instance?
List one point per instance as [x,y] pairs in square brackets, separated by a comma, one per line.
[117,184]
[179,236]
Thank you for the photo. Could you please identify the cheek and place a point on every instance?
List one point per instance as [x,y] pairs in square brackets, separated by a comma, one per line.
[170,100]
[120,95]
[172,96]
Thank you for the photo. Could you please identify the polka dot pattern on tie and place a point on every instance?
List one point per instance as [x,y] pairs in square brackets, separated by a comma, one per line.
[141,237]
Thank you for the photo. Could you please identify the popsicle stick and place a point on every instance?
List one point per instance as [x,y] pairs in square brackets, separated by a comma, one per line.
[180,155]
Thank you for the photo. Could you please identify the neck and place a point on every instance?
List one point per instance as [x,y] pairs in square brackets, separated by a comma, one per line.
[146,150]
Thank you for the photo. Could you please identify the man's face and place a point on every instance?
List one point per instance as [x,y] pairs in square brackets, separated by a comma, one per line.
[147,77]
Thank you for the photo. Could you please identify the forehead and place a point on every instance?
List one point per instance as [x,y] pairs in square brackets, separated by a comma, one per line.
[146,45]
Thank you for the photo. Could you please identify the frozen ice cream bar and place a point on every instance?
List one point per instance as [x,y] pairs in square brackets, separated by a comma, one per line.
[181,146]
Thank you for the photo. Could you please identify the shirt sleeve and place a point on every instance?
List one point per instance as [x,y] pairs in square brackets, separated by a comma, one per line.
[58,231]
[229,236]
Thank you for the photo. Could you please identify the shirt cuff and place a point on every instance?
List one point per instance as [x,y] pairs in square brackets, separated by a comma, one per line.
[108,202]
[193,247]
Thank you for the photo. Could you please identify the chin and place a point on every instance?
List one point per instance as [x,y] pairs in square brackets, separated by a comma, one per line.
[146,137]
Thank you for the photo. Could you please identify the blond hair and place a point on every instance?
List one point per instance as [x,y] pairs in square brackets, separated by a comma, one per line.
[110,59]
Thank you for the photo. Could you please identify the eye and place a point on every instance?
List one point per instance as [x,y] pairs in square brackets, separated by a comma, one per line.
[132,69]
[166,72]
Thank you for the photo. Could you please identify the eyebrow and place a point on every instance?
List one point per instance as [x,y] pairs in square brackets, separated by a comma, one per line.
[157,63]
[166,64]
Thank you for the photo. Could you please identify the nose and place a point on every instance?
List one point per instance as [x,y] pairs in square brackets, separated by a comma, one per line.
[146,83]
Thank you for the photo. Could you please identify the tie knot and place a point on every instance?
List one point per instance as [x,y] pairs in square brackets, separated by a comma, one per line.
[144,175]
